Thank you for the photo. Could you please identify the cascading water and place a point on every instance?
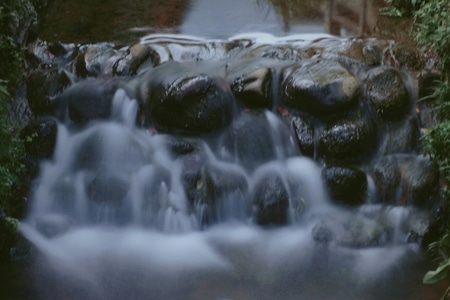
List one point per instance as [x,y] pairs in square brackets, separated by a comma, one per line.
[122,213]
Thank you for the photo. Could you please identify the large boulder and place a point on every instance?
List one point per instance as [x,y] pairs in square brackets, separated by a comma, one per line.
[346,185]
[217,191]
[182,101]
[347,140]
[270,200]
[253,87]
[42,88]
[255,138]
[387,93]
[406,179]
[321,87]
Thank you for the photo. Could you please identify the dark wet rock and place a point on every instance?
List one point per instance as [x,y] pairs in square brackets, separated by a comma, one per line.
[404,56]
[39,138]
[360,233]
[179,146]
[321,87]
[251,140]
[217,191]
[52,225]
[304,133]
[187,103]
[108,188]
[280,53]
[254,88]
[107,193]
[43,85]
[345,185]
[92,58]
[421,181]
[387,93]
[135,57]
[347,140]
[406,179]
[438,225]
[353,232]
[270,201]
[41,53]
[88,100]
[387,176]
[400,137]
[110,147]
[356,52]
[322,233]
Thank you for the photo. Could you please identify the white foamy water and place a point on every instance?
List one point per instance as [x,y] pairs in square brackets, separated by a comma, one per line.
[111,219]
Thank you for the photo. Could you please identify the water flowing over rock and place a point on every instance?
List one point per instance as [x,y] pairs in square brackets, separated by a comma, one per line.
[321,87]
[272,161]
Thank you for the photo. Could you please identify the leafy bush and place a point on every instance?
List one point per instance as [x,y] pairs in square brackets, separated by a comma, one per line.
[12,57]
[432,29]
[401,8]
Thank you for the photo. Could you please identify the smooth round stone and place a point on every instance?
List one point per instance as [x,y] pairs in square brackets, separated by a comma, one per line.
[345,185]
[347,140]
[186,102]
[387,93]
[321,87]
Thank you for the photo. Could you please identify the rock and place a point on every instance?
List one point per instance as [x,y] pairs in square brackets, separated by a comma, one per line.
[185,102]
[129,65]
[356,53]
[304,134]
[252,140]
[279,53]
[400,137]
[107,193]
[387,93]
[351,232]
[253,88]
[108,188]
[321,87]
[91,59]
[322,233]
[39,138]
[422,182]
[87,100]
[110,147]
[43,85]
[387,176]
[270,200]
[216,190]
[347,140]
[53,225]
[345,185]
[406,179]
[405,56]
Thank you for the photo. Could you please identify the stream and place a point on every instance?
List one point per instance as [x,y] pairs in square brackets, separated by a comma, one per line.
[226,150]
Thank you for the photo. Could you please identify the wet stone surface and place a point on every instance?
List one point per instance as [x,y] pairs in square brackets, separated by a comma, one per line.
[343,103]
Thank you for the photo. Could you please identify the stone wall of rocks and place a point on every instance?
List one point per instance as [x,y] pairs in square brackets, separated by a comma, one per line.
[349,104]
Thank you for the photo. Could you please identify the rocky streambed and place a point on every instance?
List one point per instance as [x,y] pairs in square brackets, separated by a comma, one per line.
[348,104]
[315,137]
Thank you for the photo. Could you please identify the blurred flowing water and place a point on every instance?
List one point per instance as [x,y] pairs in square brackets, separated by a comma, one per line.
[136,236]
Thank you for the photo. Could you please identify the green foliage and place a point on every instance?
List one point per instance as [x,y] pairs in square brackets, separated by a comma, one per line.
[11,156]
[401,8]
[12,57]
[442,248]
[432,29]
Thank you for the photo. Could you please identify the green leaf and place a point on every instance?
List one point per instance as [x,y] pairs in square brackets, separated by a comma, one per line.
[437,275]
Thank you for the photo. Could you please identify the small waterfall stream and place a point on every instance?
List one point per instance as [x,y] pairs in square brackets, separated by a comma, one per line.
[132,207]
